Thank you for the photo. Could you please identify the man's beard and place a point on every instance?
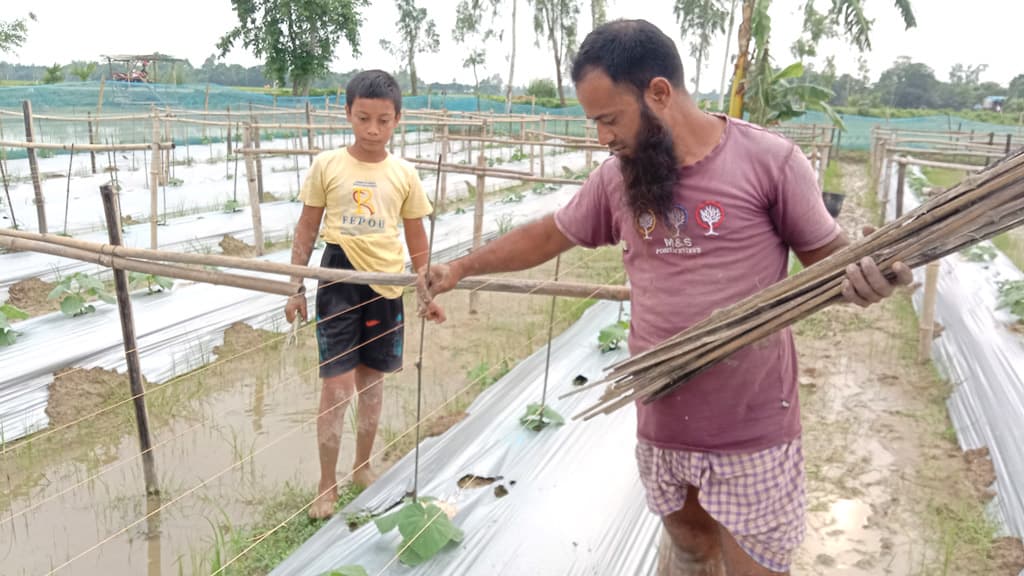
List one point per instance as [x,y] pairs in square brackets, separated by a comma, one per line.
[651,170]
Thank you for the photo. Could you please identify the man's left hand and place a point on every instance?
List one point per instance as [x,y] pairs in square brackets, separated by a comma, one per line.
[865,285]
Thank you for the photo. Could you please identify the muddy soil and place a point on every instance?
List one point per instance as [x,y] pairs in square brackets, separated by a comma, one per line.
[232,246]
[30,295]
[889,491]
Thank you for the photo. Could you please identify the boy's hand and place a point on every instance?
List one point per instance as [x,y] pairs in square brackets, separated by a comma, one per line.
[443,278]
[432,311]
[296,307]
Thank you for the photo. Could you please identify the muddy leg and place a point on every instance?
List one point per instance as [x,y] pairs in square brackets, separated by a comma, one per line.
[690,543]
[335,396]
[370,386]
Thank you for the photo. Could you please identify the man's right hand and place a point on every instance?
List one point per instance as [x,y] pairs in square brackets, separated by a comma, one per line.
[443,278]
[296,306]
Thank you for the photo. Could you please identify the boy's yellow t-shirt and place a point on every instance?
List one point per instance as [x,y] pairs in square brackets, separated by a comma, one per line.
[364,203]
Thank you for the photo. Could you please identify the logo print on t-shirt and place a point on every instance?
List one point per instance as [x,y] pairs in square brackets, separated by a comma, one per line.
[362,195]
[709,215]
[677,216]
[646,222]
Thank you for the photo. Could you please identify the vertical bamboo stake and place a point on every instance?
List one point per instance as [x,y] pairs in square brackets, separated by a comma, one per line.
[443,197]
[588,156]
[337,96]
[254,193]
[403,140]
[37,185]
[927,327]
[92,140]
[901,185]
[229,131]
[206,108]
[543,136]
[478,219]
[131,347]
[254,141]
[168,160]
[154,181]
[310,137]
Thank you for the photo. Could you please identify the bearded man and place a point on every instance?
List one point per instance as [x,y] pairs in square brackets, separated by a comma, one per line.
[707,209]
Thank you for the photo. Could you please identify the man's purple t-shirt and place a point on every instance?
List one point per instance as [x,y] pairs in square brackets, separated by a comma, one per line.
[737,213]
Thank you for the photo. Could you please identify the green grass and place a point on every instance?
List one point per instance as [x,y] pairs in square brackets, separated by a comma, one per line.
[942,177]
[1011,244]
[833,178]
[273,549]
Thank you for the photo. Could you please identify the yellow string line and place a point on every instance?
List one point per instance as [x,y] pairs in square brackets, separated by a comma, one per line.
[388,445]
[283,436]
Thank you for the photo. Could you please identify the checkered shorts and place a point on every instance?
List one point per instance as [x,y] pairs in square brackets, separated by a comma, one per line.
[758,497]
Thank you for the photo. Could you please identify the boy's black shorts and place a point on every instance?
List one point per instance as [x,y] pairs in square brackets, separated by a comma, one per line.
[355,325]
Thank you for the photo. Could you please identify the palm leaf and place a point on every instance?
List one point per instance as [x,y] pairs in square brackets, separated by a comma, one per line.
[906,12]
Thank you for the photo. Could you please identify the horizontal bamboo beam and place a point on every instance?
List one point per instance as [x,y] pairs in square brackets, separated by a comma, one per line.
[902,150]
[135,255]
[947,165]
[104,258]
[84,147]
[570,144]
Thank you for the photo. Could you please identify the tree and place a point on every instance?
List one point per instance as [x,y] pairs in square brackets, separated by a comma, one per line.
[297,39]
[598,12]
[1016,90]
[83,70]
[541,88]
[908,85]
[556,19]
[845,15]
[418,34]
[969,75]
[700,20]
[53,74]
[14,33]
[468,29]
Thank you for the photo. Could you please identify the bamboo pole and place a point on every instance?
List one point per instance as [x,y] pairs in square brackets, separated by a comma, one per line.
[29,145]
[478,220]
[31,240]
[131,346]
[254,193]
[154,184]
[33,165]
[443,197]
[927,326]
[92,141]
[229,131]
[541,145]
[310,135]
[901,178]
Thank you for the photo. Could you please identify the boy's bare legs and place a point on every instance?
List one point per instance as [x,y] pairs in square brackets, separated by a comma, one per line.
[335,396]
[370,386]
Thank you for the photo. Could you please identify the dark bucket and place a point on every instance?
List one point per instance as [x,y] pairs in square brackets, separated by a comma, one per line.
[833,202]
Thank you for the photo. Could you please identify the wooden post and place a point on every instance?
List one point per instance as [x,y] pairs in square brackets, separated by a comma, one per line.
[337,96]
[154,181]
[403,140]
[927,326]
[92,140]
[443,194]
[533,136]
[206,108]
[229,131]
[543,136]
[533,104]
[131,347]
[310,137]
[1009,139]
[478,219]
[254,193]
[991,141]
[33,166]
[901,179]
[254,143]
[167,161]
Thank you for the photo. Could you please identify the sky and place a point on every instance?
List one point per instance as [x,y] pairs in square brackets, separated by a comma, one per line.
[978,32]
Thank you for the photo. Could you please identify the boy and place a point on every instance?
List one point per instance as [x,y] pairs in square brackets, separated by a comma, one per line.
[363,191]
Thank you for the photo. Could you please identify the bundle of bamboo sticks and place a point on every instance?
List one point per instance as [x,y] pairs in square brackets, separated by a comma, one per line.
[981,206]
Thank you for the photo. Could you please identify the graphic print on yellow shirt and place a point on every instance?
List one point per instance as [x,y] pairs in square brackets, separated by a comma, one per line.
[364,204]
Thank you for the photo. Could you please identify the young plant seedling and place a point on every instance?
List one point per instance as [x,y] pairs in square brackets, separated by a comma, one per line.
[231,206]
[9,312]
[612,336]
[425,528]
[73,291]
[537,419]
[1011,296]
[979,253]
[153,282]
